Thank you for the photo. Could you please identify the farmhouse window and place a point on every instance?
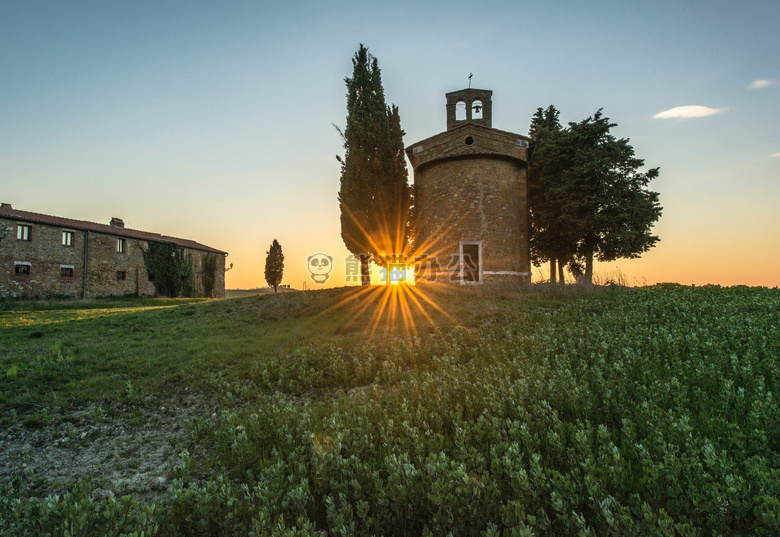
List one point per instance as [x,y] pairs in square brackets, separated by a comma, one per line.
[22,270]
[121,275]
[23,233]
[67,238]
[66,272]
[120,246]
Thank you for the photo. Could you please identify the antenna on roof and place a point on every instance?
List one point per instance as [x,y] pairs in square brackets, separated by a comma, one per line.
[470,75]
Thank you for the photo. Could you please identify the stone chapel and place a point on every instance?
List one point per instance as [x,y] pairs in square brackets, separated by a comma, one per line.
[471,197]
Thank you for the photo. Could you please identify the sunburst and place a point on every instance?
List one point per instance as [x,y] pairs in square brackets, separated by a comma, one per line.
[397,303]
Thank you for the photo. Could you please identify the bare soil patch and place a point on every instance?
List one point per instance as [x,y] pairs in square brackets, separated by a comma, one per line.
[118,449]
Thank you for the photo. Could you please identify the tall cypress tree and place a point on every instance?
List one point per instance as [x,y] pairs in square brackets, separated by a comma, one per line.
[396,196]
[274,265]
[374,195]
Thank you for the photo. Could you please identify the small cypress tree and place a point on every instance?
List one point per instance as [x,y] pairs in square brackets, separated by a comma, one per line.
[274,265]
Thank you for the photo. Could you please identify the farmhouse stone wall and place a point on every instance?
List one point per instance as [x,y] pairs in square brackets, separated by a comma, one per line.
[45,256]
[57,270]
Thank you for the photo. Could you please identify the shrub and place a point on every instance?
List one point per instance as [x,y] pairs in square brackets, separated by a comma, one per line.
[171,269]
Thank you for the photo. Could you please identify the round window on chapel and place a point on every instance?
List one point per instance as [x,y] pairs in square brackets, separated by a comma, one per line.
[469,140]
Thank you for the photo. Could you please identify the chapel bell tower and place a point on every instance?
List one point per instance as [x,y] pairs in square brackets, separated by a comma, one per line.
[469,106]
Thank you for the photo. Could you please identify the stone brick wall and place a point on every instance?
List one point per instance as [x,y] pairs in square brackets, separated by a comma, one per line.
[109,271]
[105,263]
[471,187]
[477,199]
[455,142]
[45,255]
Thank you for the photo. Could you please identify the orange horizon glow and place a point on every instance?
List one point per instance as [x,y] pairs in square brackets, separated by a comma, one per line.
[649,270]
[717,259]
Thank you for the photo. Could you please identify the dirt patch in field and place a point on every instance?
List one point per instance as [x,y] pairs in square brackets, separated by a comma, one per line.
[118,449]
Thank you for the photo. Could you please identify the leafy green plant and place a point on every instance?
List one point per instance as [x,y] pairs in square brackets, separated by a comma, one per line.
[631,412]
[98,414]
[41,418]
[209,275]
[12,372]
[75,513]
[171,270]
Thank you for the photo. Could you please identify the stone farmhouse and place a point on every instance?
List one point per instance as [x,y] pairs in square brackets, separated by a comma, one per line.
[471,197]
[44,256]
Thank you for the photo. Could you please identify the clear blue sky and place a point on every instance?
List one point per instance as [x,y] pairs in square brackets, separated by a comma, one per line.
[214,121]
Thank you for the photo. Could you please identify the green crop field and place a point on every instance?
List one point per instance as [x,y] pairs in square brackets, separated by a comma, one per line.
[485,411]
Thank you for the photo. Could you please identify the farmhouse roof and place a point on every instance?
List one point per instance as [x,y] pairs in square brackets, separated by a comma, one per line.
[117,229]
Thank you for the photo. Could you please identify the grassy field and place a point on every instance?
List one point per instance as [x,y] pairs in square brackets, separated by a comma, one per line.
[471,411]
[242,293]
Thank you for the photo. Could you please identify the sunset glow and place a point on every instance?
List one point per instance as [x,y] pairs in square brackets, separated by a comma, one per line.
[215,122]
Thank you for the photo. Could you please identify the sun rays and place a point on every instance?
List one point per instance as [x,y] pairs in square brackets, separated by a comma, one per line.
[392,309]
[404,297]
[408,270]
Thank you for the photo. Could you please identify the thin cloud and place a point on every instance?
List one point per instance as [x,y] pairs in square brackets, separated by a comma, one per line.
[761,83]
[776,155]
[687,112]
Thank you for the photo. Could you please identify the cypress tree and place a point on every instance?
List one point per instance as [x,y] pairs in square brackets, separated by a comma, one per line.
[274,265]
[374,195]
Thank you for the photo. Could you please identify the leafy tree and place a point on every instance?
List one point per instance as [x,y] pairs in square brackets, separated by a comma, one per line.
[374,194]
[615,212]
[588,195]
[550,240]
[274,265]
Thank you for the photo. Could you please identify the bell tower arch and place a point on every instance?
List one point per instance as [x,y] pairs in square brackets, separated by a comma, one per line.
[479,107]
